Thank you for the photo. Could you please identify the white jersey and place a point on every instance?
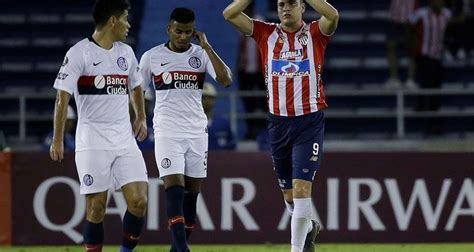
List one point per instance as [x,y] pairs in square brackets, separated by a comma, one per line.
[100,79]
[178,80]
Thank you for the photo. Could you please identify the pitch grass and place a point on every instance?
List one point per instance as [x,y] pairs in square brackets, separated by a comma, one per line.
[442,247]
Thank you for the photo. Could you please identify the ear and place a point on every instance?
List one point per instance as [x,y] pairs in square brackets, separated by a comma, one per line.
[168,30]
[303,7]
[112,20]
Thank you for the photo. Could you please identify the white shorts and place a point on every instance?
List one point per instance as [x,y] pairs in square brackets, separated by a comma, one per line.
[187,156]
[99,170]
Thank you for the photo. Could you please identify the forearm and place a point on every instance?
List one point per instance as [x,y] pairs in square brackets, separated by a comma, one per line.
[324,8]
[223,73]
[138,102]
[60,114]
[235,8]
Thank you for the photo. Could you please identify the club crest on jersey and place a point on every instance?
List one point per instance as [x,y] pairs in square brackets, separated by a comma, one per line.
[122,63]
[303,39]
[290,69]
[194,62]
[291,54]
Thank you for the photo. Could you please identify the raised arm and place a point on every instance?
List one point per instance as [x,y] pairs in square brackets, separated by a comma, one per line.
[329,15]
[223,73]
[235,15]
[56,150]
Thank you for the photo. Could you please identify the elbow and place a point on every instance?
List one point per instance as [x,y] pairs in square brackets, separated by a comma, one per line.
[333,16]
[226,81]
[227,14]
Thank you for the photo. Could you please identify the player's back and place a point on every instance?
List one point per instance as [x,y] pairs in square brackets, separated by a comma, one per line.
[178,80]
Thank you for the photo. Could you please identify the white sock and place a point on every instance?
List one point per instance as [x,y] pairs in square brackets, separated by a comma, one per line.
[296,249]
[290,207]
[300,222]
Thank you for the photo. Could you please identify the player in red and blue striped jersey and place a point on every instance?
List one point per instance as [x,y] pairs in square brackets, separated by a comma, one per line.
[292,54]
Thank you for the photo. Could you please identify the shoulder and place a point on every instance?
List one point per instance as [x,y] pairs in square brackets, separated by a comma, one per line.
[125,47]
[197,50]
[314,25]
[153,50]
[262,30]
[263,25]
[80,47]
[76,52]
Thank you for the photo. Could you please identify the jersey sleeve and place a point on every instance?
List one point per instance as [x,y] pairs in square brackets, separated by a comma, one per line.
[318,35]
[134,76]
[70,71]
[145,70]
[209,67]
[261,30]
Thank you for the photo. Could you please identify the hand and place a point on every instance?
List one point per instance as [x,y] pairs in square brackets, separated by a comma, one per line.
[202,40]
[56,150]
[140,129]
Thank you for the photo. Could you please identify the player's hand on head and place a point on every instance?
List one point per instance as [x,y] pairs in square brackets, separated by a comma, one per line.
[140,129]
[56,150]
[201,37]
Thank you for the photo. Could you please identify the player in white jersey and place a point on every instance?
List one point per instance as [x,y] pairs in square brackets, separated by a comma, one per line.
[100,71]
[292,54]
[177,70]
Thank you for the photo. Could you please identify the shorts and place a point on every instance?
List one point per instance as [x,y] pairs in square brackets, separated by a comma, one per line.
[99,170]
[296,146]
[187,156]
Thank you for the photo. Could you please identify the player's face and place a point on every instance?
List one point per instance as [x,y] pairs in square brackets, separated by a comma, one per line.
[290,12]
[180,35]
[121,26]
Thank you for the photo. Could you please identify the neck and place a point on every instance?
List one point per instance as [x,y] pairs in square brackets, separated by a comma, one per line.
[292,28]
[173,48]
[103,38]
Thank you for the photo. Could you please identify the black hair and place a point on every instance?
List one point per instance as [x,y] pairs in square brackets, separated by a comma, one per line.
[104,9]
[182,15]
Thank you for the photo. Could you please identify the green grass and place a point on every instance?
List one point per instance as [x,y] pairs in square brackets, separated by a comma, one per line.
[444,247]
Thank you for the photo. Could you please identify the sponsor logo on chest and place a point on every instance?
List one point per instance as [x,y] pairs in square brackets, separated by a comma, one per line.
[179,80]
[290,69]
[291,54]
[103,85]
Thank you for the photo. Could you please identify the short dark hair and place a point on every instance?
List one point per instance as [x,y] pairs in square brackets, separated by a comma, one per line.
[104,9]
[182,15]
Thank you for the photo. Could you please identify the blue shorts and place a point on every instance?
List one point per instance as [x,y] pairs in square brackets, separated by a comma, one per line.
[296,145]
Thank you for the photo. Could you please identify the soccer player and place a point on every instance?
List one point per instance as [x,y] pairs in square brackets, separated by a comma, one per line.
[177,69]
[292,54]
[99,71]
